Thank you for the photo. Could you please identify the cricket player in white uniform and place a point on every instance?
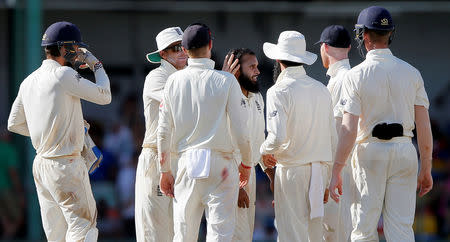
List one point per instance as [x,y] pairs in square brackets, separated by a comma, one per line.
[301,130]
[244,65]
[382,98]
[48,109]
[202,110]
[335,44]
[153,210]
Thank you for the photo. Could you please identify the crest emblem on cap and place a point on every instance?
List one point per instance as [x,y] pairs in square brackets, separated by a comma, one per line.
[44,37]
[385,21]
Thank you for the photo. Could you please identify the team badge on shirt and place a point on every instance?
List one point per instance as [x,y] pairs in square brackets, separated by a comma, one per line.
[343,102]
[258,106]
[273,114]
[243,104]
[78,77]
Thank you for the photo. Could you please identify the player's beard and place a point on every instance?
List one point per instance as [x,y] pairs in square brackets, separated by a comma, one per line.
[276,71]
[248,84]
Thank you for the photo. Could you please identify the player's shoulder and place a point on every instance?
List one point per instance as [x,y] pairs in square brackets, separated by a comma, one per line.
[65,73]
[407,66]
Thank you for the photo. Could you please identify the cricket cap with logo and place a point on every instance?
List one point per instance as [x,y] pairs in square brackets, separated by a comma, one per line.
[291,46]
[335,36]
[163,40]
[376,18]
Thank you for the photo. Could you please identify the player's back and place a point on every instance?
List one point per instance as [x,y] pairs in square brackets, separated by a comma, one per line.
[309,119]
[388,89]
[198,99]
[54,118]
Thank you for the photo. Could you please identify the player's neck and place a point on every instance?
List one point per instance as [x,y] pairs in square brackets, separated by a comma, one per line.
[58,59]
[244,91]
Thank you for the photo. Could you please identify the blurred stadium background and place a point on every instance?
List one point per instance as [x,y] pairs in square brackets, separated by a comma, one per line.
[121,32]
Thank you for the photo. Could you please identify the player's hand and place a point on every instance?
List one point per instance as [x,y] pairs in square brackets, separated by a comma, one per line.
[229,65]
[424,182]
[336,183]
[85,56]
[244,174]
[243,200]
[269,160]
[326,195]
[166,183]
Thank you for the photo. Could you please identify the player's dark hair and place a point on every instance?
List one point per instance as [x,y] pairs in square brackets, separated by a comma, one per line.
[240,52]
[290,63]
[52,50]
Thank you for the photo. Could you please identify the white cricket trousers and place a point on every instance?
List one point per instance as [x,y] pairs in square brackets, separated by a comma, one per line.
[337,218]
[385,174]
[68,208]
[292,208]
[245,217]
[153,210]
[214,195]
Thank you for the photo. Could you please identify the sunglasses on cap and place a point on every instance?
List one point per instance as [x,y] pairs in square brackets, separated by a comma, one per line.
[175,48]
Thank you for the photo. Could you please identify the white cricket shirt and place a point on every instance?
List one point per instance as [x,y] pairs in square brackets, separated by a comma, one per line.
[383,89]
[201,106]
[152,96]
[336,71]
[48,108]
[300,121]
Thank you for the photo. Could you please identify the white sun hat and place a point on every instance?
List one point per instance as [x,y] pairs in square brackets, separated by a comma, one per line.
[291,46]
[163,40]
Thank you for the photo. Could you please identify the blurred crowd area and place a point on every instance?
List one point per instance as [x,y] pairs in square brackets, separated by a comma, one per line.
[120,140]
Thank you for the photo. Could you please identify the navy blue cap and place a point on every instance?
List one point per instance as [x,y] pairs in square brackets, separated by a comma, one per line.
[61,33]
[336,36]
[377,18]
[195,36]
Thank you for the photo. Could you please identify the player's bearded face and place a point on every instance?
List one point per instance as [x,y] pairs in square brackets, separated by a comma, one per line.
[248,83]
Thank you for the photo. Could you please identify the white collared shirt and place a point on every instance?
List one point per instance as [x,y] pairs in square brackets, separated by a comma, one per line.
[336,71]
[300,121]
[383,89]
[200,107]
[48,108]
[256,125]
[152,96]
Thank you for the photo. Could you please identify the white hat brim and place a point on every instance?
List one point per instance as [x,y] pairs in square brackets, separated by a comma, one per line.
[154,56]
[273,52]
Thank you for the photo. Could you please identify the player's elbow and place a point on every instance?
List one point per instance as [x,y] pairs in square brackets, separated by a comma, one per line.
[105,99]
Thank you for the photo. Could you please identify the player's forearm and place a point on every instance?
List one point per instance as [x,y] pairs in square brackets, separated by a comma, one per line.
[347,137]
[272,144]
[102,81]
[270,172]
[424,136]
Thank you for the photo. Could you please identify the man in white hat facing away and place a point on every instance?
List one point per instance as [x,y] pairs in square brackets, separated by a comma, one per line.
[199,109]
[301,136]
[153,211]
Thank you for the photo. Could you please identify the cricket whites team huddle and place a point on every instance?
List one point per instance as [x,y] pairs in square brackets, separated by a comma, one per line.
[205,133]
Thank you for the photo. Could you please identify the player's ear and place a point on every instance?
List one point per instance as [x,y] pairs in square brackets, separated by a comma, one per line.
[163,54]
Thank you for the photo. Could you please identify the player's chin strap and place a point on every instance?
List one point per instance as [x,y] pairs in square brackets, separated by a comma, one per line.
[359,32]
[359,37]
